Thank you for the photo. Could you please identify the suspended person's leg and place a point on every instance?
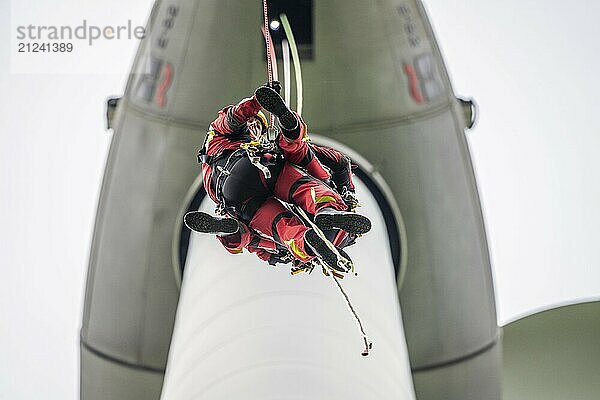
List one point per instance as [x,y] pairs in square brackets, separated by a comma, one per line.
[340,167]
[338,163]
[294,130]
[297,187]
[248,198]
[202,222]
[274,220]
[237,184]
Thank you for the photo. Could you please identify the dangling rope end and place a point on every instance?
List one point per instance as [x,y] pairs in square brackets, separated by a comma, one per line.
[368,343]
[368,346]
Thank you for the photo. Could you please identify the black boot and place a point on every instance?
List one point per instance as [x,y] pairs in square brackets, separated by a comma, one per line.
[329,218]
[322,250]
[205,223]
[344,254]
[341,175]
[272,102]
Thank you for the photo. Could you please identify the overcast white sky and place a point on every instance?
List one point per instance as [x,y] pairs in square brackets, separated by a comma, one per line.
[531,66]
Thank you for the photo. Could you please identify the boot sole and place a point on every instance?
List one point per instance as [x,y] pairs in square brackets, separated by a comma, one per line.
[344,254]
[272,102]
[205,223]
[348,222]
[322,250]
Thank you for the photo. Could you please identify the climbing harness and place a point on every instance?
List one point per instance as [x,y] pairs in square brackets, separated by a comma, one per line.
[255,151]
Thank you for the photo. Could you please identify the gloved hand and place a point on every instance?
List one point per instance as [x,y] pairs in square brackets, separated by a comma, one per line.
[349,197]
[280,258]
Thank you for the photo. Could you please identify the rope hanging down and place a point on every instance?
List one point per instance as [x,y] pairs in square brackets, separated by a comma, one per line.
[270,52]
[296,60]
[268,41]
[310,223]
[272,73]
[368,343]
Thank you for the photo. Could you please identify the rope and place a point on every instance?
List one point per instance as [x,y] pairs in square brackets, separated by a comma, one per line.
[268,41]
[270,60]
[296,59]
[298,73]
[368,343]
[287,79]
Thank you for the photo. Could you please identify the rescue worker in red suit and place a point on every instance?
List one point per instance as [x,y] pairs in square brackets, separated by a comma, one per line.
[260,221]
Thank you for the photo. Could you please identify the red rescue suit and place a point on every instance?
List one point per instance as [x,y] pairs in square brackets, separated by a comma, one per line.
[242,190]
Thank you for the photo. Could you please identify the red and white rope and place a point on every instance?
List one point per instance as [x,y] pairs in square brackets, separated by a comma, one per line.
[270,53]
[267,34]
